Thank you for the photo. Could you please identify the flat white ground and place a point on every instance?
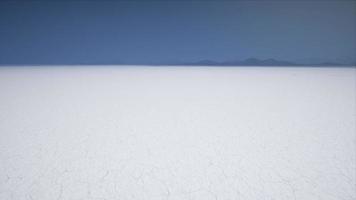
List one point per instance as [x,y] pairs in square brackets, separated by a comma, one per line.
[149,133]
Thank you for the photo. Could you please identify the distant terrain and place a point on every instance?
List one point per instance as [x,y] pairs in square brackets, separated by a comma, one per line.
[264,62]
[205,62]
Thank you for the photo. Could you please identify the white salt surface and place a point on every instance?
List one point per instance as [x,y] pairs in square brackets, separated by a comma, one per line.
[150,133]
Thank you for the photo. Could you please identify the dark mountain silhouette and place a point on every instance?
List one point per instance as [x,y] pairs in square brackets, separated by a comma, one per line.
[262,62]
[247,62]
[206,62]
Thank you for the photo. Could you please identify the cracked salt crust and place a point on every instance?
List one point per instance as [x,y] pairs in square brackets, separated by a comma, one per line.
[177,133]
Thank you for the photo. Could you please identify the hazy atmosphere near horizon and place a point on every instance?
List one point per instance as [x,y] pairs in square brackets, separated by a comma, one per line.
[175,32]
[177,100]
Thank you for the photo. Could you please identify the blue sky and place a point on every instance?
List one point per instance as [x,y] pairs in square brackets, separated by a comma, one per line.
[146,32]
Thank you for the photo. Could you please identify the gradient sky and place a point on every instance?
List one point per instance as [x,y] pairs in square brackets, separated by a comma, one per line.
[146,32]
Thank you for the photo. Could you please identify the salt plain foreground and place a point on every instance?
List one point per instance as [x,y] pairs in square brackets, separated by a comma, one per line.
[177,133]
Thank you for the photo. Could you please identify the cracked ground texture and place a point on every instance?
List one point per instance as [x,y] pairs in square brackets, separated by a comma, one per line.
[147,133]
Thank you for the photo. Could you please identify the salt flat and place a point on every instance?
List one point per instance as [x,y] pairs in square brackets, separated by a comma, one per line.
[104,132]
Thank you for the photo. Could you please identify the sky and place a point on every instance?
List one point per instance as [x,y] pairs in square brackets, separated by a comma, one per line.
[156,32]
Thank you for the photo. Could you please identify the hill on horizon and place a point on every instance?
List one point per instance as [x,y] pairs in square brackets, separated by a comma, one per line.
[263,62]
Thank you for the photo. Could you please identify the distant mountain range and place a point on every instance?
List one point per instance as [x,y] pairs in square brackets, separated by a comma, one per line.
[260,62]
[246,62]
